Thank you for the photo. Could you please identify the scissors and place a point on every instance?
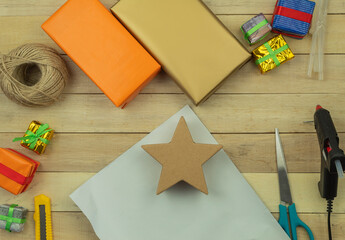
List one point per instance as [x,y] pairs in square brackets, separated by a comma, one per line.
[287,206]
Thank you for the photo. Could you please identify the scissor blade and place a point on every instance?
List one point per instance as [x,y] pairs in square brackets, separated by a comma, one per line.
[284,187]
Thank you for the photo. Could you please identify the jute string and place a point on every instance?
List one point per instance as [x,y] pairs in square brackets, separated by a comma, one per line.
[33,75]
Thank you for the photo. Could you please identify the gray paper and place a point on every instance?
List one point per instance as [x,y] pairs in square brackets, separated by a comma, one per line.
[121,202]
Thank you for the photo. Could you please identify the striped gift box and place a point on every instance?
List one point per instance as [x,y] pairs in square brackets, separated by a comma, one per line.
[293,17]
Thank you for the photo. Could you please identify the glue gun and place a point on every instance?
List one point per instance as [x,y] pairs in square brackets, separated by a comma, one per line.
[332,157]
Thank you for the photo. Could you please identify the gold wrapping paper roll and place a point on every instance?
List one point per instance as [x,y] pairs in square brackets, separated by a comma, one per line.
[40,146]
[272,53]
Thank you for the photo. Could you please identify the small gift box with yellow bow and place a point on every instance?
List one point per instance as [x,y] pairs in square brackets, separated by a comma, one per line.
[37,137]
[12,217]
[272,53]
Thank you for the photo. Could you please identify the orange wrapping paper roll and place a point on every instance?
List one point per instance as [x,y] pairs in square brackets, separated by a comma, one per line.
[102,48]
[16,170]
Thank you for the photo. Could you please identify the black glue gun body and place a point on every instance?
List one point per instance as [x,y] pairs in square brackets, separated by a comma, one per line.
[332,157]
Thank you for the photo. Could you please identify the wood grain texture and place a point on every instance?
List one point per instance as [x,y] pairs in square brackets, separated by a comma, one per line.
[74,225]
[258,113]
[41,7]
[304,189]
[66,226]
[251,153]
[247,80]
[17,30]
[91,132]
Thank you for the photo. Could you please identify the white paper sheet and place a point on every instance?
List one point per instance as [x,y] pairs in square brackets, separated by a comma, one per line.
[121,202]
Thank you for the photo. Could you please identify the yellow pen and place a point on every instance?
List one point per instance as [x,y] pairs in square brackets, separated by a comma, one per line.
[43,219]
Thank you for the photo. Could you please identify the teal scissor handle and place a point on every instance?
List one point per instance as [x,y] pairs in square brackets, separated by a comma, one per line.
[294,221]
[284,219]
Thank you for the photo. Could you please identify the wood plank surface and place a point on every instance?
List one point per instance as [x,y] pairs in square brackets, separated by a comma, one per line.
[247,80]
[66,226]
[41,7]
[304,189]
[251,153]
[17,30]
[95,113]
[242,115]
[73,225]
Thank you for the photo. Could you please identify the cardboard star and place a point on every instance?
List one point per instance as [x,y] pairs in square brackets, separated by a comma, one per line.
[182,159]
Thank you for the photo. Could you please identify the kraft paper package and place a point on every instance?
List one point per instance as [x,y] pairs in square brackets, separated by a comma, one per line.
[187,39]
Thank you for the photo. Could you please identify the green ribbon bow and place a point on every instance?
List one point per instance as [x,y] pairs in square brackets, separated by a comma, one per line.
[272,54]
[10,219]
[32,138]
[253,30]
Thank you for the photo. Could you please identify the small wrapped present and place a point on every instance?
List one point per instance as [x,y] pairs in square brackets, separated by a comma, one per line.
[16,170]
[293,17]
[37,137]
[256,29]
[12,217]
[272,53]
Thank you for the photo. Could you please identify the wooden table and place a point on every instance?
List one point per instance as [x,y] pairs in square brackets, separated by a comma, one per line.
[242,115]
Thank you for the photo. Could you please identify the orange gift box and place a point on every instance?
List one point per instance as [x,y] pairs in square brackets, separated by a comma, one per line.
[102,47]
[16,170]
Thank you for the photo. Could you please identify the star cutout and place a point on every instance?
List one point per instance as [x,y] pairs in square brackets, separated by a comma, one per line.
[182,159]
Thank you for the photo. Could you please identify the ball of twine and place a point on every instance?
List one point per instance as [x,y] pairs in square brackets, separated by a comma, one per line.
[33,75]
